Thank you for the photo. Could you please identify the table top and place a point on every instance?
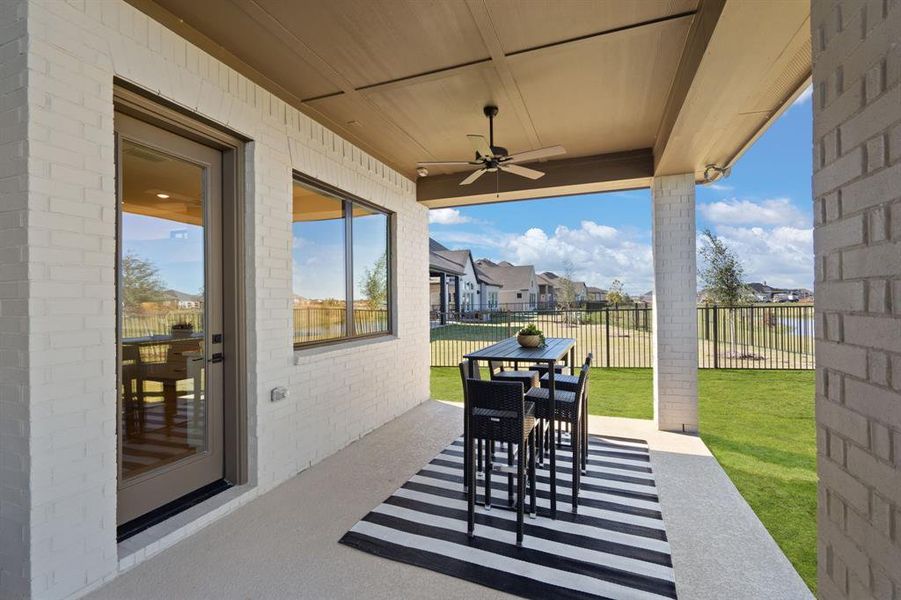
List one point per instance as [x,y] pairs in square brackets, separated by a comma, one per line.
[554,349]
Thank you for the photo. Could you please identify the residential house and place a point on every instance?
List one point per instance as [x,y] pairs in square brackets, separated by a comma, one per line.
[596,294]
[518,283]
[547,298]
[766,293]
[555,283]
[183,301]
[477,290]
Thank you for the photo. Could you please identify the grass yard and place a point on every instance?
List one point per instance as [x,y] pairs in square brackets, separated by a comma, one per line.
[758,424]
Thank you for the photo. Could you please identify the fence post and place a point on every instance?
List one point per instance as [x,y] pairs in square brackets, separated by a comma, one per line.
[716,336]
[706,321]
[607,335]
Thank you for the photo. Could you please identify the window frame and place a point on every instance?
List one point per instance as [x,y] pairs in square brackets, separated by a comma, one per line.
[348,201]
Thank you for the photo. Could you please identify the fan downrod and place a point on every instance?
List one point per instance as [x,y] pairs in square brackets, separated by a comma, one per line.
[499,151]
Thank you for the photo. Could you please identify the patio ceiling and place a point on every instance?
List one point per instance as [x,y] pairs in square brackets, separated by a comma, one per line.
[630,89]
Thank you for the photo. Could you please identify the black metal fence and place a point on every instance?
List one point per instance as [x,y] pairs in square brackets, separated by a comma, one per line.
[735,337]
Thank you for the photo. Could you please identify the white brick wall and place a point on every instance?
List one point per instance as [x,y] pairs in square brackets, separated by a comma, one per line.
[857,243]
[14,442]
[75,48]
[675,303]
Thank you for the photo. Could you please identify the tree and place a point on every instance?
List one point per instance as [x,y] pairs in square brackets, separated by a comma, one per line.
[723,277]
[566,292]
[140,283]
[616,295]
[721,271]
[374,283]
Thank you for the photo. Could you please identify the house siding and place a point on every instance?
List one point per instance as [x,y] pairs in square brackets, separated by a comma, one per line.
[66,410]
[857,244]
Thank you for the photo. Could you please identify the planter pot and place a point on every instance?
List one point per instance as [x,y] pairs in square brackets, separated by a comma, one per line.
[529,341]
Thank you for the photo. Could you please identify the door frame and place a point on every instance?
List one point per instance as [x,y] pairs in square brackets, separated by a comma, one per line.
[135,102]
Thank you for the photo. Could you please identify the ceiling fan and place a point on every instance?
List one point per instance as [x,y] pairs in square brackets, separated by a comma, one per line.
[491,158]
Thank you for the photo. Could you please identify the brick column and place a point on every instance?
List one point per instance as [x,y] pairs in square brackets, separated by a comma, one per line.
[15,445]
[857,247]
[675,304]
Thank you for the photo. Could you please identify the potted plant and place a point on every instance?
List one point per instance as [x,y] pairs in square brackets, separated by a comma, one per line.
[182,329]
[530,336]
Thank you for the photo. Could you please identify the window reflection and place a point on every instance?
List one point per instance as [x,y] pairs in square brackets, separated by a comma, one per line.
[161,304]
[370,265]
[325,295]
[320,297]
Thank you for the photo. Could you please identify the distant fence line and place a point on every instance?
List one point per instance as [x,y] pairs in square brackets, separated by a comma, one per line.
[779,336]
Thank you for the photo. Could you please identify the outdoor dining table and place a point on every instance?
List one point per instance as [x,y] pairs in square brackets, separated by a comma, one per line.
[553,351]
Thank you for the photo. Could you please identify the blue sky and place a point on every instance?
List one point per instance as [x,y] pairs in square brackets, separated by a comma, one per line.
[763,211]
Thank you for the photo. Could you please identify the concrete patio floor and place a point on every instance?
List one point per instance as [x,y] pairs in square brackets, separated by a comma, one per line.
[284,544]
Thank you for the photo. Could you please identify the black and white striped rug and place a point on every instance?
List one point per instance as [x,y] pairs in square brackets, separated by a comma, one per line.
[614,548]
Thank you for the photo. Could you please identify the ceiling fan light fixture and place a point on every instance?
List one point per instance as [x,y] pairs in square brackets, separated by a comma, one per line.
[162,196]
[490,158]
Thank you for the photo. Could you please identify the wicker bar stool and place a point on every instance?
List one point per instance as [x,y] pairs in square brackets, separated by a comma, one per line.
[542,370]
[569,408]
[571,383]
[528,379]
[498,412]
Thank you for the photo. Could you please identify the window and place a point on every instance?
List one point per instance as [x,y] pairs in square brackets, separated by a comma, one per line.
[519,295]
[341,254]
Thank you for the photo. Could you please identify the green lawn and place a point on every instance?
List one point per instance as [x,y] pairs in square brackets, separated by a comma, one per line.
[758,424]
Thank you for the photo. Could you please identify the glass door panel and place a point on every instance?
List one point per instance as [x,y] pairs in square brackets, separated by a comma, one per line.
[169,317]
[162,275]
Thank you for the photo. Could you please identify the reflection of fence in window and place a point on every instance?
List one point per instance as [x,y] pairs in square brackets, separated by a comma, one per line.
[138,326]
[745,337]
[313,324]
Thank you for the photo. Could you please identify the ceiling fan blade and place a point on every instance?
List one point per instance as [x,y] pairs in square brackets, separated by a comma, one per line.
[536,154]
[473,177]
[480,145]
[447,163]
[523,171]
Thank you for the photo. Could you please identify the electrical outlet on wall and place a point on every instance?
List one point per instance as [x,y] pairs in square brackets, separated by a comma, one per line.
[278,394]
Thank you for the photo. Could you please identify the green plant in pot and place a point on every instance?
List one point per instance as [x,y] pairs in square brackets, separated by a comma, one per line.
[530,336]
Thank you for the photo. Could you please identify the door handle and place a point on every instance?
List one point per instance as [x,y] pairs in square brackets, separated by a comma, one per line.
[217,357]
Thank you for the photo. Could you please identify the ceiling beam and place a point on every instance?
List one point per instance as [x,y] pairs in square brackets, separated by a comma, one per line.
[496,53]
[582,175]
[699,34]
[727,95]
[257,13]
[482,18]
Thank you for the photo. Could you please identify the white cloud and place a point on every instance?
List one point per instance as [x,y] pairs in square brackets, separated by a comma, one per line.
[805,96]
[447,216]
[782,256]
[599,254]
[774,211]
[719,187]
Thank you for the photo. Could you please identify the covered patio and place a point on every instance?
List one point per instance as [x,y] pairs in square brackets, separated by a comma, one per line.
[304,435]
[284,544]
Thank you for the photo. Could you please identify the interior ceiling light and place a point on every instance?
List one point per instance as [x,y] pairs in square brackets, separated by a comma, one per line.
[714,173]
[162,196]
